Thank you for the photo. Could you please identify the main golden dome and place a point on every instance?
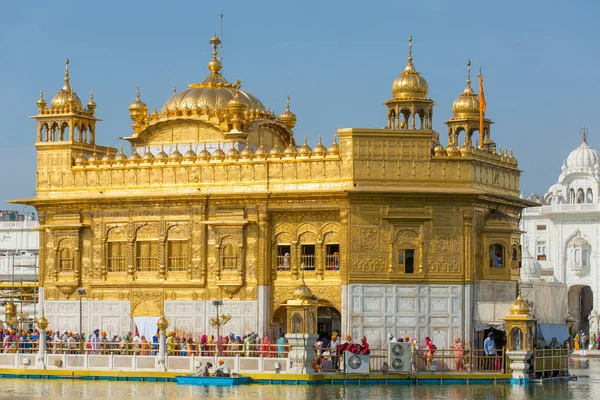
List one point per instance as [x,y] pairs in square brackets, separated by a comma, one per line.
[214,92]
[467,104]
[410,84]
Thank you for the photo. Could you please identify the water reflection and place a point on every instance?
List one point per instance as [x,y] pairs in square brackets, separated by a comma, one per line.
[586,387]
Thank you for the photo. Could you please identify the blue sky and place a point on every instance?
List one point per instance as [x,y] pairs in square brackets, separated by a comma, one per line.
[336,59]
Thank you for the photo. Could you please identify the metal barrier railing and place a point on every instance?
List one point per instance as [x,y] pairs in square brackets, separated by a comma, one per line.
[445,360]
[551,362]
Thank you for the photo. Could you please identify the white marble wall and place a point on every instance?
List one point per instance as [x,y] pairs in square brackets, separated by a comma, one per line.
[414,310]
[183,316]
[109,316]
[194,316]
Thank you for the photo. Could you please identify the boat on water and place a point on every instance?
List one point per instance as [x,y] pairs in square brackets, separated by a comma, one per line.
[211,381]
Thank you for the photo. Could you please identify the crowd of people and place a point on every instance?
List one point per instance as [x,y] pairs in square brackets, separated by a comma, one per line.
[99,342]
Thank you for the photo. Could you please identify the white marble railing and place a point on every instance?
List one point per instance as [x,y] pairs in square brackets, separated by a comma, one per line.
[554,208]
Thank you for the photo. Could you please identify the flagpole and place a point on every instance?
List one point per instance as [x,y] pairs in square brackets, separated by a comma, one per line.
[481,109]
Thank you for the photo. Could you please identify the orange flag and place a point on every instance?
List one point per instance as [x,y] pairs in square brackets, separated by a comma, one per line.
[482,106]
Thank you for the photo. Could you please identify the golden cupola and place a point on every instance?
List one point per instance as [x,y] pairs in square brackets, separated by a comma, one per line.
[410,84]
[66,100]
[467,103]
[466,119]
[410,108]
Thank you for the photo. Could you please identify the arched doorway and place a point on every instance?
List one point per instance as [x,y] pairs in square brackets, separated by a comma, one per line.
[328,320]
[581,302]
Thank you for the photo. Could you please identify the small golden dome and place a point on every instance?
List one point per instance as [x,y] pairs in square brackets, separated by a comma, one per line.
[302,292]
[304,151]
[41,103]
[438,150]
[275,152]
[288,118]
[232,154]
[261,152]
[519,307]
[467,104]
[290,151]
[161,157]
[410,84]
[204,154]
[319,150]
[452,151]
[148,156]
[190,155]
[465,150]
[246,153]
[93,160]
[138,110]
[218,154]
[106,159]
[162,324]
[121,158]
[66,97]
[135,156]
[80,160]
[175,156]
[334,149]
[91,105]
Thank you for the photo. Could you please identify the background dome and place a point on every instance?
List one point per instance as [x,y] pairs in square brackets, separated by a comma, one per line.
[583,157]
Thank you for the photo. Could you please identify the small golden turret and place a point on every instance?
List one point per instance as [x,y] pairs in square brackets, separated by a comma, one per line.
[218,154]
[161,157]
[204,154]
[190,155]
[246,153]
[232,154]
[135,157]
[138,111]
[148,156]
[319,150]
[305,151]
[288,118]
[334,149]
[91,105]
[261,152]
[121,158]
[176,156]
[41,103]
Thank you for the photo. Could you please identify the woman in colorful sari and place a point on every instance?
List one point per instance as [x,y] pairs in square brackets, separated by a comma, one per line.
[266,347]
[203,347]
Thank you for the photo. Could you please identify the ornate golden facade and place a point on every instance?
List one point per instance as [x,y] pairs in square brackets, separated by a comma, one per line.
[216,200]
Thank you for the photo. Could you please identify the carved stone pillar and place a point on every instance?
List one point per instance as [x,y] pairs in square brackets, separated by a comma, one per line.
[162,259]
[468,269]
[344,246]
[131,261]
[319,259]
[161,363]
[294,259]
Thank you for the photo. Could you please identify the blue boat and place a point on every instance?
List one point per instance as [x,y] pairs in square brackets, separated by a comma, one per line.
[211,381]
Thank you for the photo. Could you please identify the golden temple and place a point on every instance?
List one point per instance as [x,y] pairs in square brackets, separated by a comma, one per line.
[392,231]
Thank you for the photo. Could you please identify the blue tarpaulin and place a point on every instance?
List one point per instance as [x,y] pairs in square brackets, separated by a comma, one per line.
[551,331]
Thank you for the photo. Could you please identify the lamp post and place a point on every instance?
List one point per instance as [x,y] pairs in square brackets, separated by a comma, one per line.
[81,293]
[35,279]
[218,321]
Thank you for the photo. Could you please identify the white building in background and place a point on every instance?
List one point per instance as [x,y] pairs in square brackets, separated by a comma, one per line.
[563,234]
[19,248]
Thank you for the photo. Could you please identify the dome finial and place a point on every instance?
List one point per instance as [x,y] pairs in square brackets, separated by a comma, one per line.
[287,103]
[410,50]
[66,87]
[138,91]
[174,89]
[583,131]
[468,73]
[215,65]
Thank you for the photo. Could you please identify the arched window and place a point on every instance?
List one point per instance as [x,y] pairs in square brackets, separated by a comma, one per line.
[571,196]
[147,255]
[65,260]
[580,196]
[577,256]
[177,258]
[589,196]
[496,256]
[117,256]
[228,257]
[584,256]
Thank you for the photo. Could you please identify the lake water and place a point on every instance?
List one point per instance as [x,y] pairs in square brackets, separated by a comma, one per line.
[587,387]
